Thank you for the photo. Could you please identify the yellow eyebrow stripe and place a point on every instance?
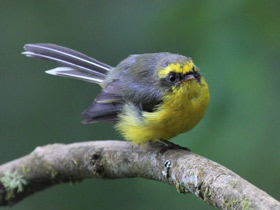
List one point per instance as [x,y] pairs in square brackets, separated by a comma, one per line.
[176,67]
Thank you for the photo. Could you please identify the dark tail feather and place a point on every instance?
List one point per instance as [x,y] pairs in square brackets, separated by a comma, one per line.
[87,68]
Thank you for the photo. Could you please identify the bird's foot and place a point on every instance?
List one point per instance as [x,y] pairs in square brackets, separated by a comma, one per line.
[171,145]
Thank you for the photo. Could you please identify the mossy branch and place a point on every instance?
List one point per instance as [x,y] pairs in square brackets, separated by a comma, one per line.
[188,172]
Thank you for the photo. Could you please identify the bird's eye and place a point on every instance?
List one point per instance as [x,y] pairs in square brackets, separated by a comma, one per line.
[172,77]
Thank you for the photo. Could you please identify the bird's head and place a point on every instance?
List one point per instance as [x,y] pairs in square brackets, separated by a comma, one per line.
[179,73]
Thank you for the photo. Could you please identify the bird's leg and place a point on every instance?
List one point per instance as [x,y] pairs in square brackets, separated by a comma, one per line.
[171,145]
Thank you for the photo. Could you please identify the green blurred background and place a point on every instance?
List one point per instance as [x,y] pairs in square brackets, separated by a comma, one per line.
[236,45]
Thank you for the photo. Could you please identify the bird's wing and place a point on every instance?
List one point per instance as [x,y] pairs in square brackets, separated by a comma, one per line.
[109,103]
[133,82]
[105,107]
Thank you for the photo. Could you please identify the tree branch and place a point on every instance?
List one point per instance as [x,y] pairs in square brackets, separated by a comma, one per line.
[189,172]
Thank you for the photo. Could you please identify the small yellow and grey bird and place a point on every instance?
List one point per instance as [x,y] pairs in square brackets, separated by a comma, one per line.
[150,97]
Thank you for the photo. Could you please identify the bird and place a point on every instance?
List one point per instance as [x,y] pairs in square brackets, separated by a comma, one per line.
[151,97]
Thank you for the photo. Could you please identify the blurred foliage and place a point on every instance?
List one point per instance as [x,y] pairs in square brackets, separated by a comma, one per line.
[236,44]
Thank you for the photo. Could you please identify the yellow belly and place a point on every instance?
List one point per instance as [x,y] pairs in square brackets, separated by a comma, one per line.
[180,111]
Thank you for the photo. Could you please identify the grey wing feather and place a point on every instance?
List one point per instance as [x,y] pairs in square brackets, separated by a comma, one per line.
[101,112]
[105,118]
[136,80]
[105,108]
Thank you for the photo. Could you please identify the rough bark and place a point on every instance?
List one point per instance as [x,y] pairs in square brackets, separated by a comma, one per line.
[188,172]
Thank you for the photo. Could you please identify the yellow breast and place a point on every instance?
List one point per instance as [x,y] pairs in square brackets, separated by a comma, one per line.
[180,111]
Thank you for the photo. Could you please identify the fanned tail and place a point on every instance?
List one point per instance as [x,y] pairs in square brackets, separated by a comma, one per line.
[75,64]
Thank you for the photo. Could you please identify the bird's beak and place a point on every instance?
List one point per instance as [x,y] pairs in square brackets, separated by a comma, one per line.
[189,77]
